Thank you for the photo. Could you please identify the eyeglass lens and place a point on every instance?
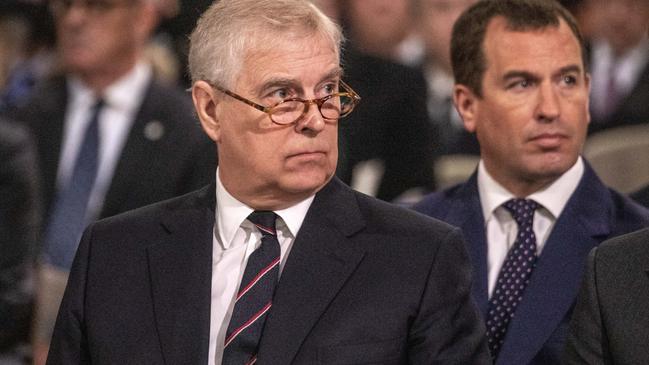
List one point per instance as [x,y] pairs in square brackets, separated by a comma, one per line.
[292,110]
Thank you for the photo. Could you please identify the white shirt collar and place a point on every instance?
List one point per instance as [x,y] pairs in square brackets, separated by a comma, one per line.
[553,198]
[124,94]
[231,214]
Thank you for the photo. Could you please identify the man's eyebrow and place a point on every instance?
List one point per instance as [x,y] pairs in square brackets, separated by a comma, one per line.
[513,74]
[294,83]
[569,69]
[531,76]
[278,81]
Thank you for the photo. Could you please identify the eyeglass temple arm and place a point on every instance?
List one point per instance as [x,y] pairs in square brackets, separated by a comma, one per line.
[240,98]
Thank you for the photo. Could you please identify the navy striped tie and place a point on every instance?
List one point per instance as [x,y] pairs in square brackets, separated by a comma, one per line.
[255,295]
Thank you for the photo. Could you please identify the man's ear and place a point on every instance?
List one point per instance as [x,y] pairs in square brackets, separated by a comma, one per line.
[465,101]
[205,102]
[587,84]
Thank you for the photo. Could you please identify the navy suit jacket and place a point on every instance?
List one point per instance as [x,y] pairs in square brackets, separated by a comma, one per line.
[365,282]
[537,333]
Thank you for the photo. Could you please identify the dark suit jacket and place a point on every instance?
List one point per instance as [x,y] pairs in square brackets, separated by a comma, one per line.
[642,196]
[389,124]
[365,282]
[610,324]
[633,108]
[537,333]
[148,170]
[19,214]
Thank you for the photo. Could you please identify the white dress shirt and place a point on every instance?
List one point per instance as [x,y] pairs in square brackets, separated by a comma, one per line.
[235,238]
[122,100]
[501,229]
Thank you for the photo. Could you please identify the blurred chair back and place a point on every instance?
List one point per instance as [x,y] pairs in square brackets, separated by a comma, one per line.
[620,156]
[454,169]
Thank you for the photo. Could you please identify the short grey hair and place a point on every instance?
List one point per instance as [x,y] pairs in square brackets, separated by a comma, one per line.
[230,28]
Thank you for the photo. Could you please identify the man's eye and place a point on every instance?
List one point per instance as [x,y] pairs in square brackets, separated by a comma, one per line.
[330,88]
[279,94]
[520,84]
[570,80]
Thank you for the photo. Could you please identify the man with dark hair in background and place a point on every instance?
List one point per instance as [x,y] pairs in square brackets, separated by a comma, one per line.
[534,208]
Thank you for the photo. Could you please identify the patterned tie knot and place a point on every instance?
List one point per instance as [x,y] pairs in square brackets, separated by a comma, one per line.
[264,220]
[522,210]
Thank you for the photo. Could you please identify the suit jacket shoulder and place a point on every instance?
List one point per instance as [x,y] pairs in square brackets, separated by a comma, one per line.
[365,281]
[611,321]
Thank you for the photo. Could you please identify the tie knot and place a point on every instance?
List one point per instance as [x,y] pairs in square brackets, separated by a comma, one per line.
[522,210]
[264,220]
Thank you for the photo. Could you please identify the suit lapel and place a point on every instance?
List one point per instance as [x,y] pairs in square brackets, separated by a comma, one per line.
[180,269]
[555,282]
[320,261]
[135,155]
[466,213]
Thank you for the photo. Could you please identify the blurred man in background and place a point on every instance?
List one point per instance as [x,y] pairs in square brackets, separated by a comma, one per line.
[110,138]
[620,64]
[435,19]
[386,146]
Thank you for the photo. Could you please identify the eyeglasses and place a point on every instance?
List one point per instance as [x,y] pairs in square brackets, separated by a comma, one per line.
[288,111]
[59,7]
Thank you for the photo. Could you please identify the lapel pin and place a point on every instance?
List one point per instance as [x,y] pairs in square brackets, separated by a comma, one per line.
[154,130]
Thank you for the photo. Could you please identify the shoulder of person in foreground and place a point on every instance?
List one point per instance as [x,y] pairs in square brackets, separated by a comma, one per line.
[610,323]
[628,214]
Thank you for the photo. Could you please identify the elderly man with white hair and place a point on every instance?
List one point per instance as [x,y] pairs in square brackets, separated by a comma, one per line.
[276,261]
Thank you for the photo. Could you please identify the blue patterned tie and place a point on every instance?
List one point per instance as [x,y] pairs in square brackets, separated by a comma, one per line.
[68,216]
[255,295]
[514,275]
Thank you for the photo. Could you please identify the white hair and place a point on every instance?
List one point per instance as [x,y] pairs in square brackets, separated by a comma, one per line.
[231,28]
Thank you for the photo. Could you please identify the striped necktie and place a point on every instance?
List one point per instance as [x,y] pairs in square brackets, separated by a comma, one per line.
[255,295]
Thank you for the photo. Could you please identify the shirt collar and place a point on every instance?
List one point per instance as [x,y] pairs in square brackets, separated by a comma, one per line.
[553,198]
[231,213]
[125,93]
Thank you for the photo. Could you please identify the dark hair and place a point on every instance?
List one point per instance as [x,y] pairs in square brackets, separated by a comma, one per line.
[467,53]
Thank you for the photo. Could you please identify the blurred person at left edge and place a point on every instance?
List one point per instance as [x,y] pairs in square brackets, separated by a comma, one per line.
[109,136]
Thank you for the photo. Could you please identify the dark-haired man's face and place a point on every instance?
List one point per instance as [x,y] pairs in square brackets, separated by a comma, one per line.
[532,117]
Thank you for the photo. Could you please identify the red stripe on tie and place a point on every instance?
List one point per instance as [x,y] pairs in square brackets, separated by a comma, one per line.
[247,324]
[265,229]
[252,361]
[257,278]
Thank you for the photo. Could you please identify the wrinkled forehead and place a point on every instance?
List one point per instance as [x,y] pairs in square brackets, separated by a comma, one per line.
[288,50]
